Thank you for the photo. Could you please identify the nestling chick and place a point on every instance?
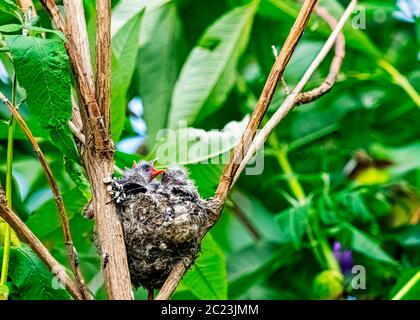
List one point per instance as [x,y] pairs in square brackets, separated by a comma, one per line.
[135,180]
[161,221]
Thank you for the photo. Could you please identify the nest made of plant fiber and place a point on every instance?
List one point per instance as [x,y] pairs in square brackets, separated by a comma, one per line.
[161,228]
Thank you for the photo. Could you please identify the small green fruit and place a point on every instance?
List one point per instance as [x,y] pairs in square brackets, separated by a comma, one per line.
[328,285]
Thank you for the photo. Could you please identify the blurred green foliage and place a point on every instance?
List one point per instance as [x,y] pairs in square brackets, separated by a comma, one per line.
[343,169]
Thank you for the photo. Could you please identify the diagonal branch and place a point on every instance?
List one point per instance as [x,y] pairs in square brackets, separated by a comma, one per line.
[29,237]
[291,101]
[243,146]
[340,50]
[265,98]
[71,250]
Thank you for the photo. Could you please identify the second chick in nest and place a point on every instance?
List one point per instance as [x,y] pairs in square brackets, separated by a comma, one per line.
[162,221]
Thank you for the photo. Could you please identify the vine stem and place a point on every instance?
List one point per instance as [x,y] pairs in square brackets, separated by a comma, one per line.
[9,168]
[407,287]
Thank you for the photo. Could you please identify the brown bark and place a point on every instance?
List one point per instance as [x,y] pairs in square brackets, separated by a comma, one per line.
[98,152]
[103,58]
[265,98]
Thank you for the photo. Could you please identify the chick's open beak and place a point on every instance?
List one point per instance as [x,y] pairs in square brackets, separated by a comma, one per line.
[154,173]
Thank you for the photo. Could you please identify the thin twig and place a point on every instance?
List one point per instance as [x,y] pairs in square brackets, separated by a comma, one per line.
[71,250]
[336,62]
[243,218]
[29,237]
[290,101]
[264,101]
[242,148]
[172,282]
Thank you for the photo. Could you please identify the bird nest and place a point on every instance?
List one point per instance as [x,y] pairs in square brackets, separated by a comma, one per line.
[162,221]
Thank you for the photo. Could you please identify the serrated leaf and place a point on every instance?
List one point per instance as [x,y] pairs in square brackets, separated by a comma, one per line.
[30,279]
[210,70]
[42,68]
[124,55]
[157,66]
[207,279]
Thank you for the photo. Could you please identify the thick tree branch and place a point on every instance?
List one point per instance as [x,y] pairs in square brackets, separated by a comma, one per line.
[71,250]
[103,58]
[29,237]
[97,153]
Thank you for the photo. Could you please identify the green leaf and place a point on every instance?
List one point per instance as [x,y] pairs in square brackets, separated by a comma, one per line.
[210,70]
[42,68]
[63,139]
[365,245]
[30,279]
[158,65]
[11,8]
[408,237]
[191,145]
[259,216]
[40,30]
[124,55]
[207,279]
[355,37]
[125,10]
[75,172]
[10,28]
[45,220]
[255,263]
[292,223]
